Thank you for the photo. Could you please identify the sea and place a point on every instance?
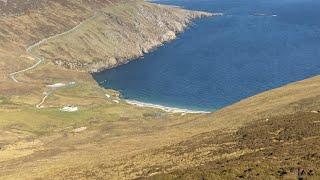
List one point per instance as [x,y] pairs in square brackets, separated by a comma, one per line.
[257,45]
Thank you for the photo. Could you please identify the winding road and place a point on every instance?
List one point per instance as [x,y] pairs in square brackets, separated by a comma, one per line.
[12,75]
[41,59]
[39,106]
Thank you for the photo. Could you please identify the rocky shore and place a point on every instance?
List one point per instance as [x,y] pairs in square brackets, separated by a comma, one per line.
[117,34]
[273,135]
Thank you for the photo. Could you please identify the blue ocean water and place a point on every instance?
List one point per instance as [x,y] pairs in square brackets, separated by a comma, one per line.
[256,46]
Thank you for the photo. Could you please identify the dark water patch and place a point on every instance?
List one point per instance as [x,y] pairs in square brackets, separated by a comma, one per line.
[254,47]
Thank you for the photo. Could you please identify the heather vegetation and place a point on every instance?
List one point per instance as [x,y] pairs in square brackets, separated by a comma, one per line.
[270,135]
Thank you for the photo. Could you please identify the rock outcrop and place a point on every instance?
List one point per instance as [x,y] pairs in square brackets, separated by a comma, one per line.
[117,34]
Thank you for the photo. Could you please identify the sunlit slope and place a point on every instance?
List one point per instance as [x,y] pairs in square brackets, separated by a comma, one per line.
[82,36]
[110,139]
[117,34]
[125,142]
[23,23]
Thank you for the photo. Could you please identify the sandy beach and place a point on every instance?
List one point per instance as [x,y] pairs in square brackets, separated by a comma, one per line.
[165,108]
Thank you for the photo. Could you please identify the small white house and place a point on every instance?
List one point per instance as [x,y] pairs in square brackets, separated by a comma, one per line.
[69,108]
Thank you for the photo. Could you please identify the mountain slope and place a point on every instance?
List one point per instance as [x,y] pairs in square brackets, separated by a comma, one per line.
[78,35]
[117,34]
[271,135]
[143,26]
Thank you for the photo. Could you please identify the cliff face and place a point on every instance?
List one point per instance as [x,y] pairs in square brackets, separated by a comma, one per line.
[107,33]
[269,136]
[116,34]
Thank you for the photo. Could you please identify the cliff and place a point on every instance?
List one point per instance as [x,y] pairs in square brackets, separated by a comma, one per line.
[116,34]
[269,136]
[108,33]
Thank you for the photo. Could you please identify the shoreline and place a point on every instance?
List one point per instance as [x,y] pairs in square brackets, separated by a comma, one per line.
[198,15]
[165,108]
[169,109]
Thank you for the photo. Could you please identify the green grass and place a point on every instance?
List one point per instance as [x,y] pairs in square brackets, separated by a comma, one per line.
[49,120]
[4,101]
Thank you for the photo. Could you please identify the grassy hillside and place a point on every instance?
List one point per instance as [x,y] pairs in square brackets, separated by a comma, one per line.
[78,35]
[135,25]
[117,34]
[280,147]
[271,135]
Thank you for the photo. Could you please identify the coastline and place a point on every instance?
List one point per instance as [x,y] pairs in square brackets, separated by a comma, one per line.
[164,108]
[153,40]
[183,111]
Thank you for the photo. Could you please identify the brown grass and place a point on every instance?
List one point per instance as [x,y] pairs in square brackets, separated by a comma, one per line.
[123,141]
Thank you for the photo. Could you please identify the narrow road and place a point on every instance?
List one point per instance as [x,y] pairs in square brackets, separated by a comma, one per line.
[12,75]
[39,106]
[41,59]
[53,89]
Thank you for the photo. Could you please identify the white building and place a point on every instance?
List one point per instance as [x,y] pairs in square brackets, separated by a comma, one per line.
[69,108]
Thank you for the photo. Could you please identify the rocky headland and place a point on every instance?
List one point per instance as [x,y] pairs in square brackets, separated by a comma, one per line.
[268,136]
